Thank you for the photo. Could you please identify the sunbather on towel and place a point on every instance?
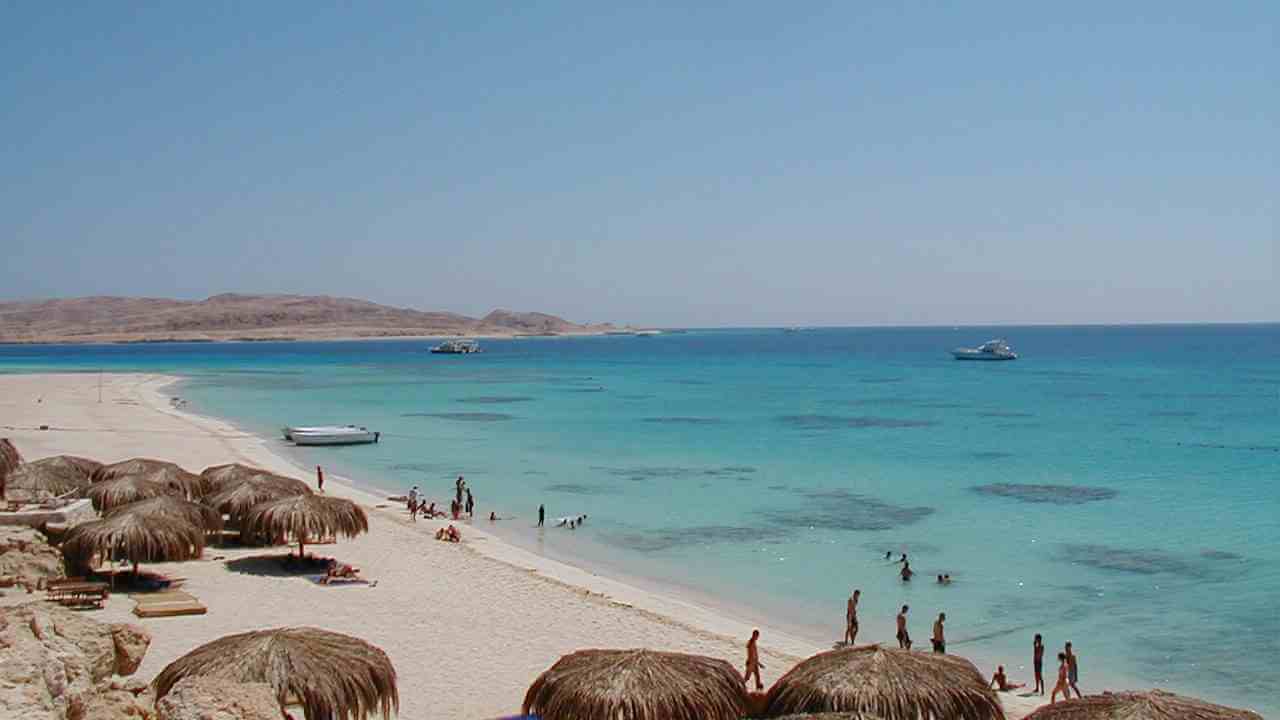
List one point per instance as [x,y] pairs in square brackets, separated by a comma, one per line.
[337,570]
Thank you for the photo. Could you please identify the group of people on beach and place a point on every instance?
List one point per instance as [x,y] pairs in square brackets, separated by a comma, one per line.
[463,502]
[1068,662]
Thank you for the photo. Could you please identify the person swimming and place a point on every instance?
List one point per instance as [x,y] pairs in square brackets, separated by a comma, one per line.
[907,572]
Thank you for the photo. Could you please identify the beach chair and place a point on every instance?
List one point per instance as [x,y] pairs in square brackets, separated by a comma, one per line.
[172,603]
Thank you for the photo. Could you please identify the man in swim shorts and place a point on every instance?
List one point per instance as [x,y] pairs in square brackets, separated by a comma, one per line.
[851,618]
[1073,670]
[1037,649]
[939,639]
[904,639]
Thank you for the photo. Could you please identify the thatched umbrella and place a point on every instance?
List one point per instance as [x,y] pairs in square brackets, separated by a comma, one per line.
[190,485]
[10,459]
[110,494]
[237,498]
[134,536]
[203,517]
[50,477]
[637,685]
[1152,705]
[885,682]
[334,676]
[306,516]
[220,477]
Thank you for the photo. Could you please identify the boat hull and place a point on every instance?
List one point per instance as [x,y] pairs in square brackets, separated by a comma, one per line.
[981,356]
[362,437]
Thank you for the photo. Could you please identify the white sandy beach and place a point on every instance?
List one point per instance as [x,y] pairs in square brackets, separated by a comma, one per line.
[468,626]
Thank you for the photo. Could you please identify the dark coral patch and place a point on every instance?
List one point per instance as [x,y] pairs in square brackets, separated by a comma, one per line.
[839,422]
[1053,494]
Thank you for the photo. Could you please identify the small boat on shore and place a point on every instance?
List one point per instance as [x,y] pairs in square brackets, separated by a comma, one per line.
[456,347]
[989,350]
[348,435]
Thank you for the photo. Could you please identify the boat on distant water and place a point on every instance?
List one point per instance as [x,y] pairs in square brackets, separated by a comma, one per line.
[456,347]
[990,350]
[333,435]
[289,431]
[647,333]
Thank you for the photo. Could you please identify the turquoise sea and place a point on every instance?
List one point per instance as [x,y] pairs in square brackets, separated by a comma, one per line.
[1117,486]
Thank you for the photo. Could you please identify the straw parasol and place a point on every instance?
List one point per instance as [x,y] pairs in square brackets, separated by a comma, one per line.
[190,485]
[135,536]
[885,682]
[110,494]
[1151,705]
[237,498]
[306,516]
[220,477]
[637,685]
[334,676]
[203,517]
[829,716]
[10,459]
[50,477]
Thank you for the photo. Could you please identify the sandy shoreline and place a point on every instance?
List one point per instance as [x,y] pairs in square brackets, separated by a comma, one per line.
[468,627]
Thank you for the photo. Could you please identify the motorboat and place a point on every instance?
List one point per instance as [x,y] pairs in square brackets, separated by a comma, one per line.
[456,347]
[315,429]
[989,350]
[334,436]
[647,333]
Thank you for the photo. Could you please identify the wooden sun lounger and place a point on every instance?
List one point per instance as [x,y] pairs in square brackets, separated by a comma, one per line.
[75,592]
[167,604]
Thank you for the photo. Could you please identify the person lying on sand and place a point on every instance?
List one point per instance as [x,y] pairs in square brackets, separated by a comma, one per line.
[340,571]
[1001,681]
[449,534]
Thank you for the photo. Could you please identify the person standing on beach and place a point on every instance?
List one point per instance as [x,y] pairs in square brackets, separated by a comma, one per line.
[471,504]
[939,639]
[319,478]
[458,486]
[1037,649]
[1061,686]
[542,514]
[851,618]
[753,661]
[904,639]
[1073,670]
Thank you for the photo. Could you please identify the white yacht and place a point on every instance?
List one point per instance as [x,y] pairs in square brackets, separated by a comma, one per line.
[348,435]
[989,350]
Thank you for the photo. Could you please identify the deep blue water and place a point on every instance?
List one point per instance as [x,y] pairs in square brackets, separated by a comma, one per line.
[1117,486]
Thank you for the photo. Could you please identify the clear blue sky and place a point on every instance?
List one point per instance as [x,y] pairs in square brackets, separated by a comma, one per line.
[743,163]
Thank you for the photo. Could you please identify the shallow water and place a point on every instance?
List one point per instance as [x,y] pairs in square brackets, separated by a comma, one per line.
[1115,486]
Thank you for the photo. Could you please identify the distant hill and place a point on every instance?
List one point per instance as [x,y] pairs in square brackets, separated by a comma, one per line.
[254,317]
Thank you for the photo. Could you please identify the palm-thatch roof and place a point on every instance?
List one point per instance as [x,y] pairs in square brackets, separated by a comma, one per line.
[306,516]
[885,682]
[190,485]
[334,676]
[134,536]
[202,516]
[10,459]
[637,685]
[219,477]
[237,498]
[50,477]
[110,494]
[1151,705]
